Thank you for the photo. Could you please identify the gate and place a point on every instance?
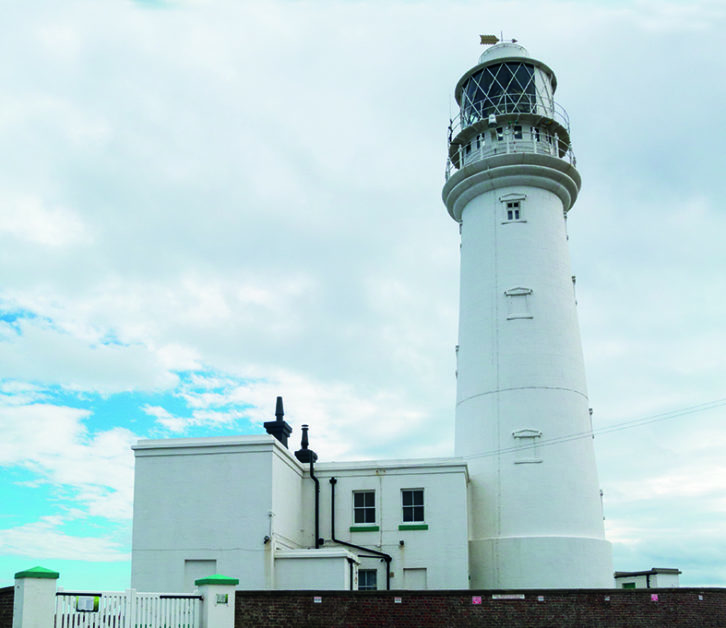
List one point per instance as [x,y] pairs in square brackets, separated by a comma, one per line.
[126,609]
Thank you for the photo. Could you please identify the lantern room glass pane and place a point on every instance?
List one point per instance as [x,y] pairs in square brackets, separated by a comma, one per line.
[499,88]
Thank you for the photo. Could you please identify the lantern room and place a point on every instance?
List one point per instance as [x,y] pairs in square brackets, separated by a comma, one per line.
[506,105]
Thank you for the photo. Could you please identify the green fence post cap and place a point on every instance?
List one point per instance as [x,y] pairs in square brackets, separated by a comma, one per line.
[216,579]
[37,572]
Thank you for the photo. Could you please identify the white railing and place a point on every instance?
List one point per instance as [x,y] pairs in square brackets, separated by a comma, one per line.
[539,144]
[126,609]
[471,114]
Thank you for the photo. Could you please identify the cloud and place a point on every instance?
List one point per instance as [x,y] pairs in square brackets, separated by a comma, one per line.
[36,350]
[29,220]
[43,538]
[55,444]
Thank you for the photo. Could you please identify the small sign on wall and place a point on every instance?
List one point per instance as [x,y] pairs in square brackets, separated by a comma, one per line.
[223,598]
[476,599]
[87,603]
[317,599]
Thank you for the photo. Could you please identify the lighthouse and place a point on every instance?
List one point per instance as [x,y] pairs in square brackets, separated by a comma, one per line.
[522,412]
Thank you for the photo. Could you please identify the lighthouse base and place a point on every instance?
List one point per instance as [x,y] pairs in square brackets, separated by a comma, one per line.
[547,562]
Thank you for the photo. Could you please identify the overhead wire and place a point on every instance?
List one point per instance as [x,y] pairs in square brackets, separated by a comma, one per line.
[616,427]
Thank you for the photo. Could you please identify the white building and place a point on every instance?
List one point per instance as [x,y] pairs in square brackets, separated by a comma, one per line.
[656,578]
[245,507]
[520,505]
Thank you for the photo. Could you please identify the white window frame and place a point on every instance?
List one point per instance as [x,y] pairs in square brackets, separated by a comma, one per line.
[364,508]
[413,506]
[513,208]
[366,586]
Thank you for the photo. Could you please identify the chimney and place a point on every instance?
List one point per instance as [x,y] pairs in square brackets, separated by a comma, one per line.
[304,454]
[278,428]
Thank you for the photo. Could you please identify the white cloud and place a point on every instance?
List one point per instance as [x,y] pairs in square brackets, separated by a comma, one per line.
[54,443]
[30,220]
[43,538]
[38,351]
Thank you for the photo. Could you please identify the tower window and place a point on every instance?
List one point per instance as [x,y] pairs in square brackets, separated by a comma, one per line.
[517,129]
[478,142]
[513,210]
[535,133]
[364,506]
[518,302]
[412,500]
[367,580]
[500,134]
[527,446]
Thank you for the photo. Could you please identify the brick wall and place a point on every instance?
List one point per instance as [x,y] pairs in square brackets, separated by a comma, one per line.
[684,607]
[7,595]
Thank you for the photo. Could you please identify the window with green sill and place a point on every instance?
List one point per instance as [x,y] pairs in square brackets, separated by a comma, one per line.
[412,502]
[364,507]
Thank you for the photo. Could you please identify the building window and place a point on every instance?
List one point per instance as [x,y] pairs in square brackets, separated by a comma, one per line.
[500,134]
[413,504]
[535,133]
[517,132]
[367,580]
[628,585]
[513,210]
[364,506]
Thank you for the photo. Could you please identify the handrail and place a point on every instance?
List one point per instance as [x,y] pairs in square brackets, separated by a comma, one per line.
[541,144]
[473,113]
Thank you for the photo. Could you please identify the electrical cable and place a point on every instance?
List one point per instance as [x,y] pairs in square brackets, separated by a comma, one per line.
[617,427]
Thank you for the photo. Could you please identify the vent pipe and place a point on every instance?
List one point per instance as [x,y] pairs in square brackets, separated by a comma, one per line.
[306,455]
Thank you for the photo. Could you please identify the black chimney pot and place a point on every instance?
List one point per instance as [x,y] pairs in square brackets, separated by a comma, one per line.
[304,454]
[278,428]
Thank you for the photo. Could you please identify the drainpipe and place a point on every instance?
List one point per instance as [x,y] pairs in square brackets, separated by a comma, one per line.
[317,505]
[308,455]
[378,554]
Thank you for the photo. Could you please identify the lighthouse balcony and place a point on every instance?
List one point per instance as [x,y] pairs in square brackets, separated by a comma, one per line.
[515,138]
[505,129]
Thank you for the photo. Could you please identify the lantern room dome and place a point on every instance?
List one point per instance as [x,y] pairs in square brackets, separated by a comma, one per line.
[504,49]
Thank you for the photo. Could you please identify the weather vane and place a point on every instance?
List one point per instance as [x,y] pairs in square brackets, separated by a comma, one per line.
[489,40]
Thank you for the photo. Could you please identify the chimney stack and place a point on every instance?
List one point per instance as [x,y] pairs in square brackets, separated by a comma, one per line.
[279,428]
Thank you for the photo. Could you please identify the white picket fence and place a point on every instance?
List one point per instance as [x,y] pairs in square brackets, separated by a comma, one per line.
[126,609]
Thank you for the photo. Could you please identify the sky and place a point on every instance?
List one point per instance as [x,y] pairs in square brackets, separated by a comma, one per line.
[206,204]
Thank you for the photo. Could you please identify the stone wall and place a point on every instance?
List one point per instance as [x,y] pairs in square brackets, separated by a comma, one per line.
[684,607]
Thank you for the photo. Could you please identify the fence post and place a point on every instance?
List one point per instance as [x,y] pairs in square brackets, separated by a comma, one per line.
[217,601]
[130,608]
[34,604]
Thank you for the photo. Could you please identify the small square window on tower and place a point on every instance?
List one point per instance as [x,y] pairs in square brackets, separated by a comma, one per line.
[364,507]
[517,131]
[513,207]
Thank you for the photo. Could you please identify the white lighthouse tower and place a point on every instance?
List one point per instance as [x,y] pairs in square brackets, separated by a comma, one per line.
[522,418]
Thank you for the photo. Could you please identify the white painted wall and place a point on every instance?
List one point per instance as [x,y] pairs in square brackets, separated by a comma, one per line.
[213,501]
[322,569]
[442,549]
[208,499]
[653,579]
[535,511]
